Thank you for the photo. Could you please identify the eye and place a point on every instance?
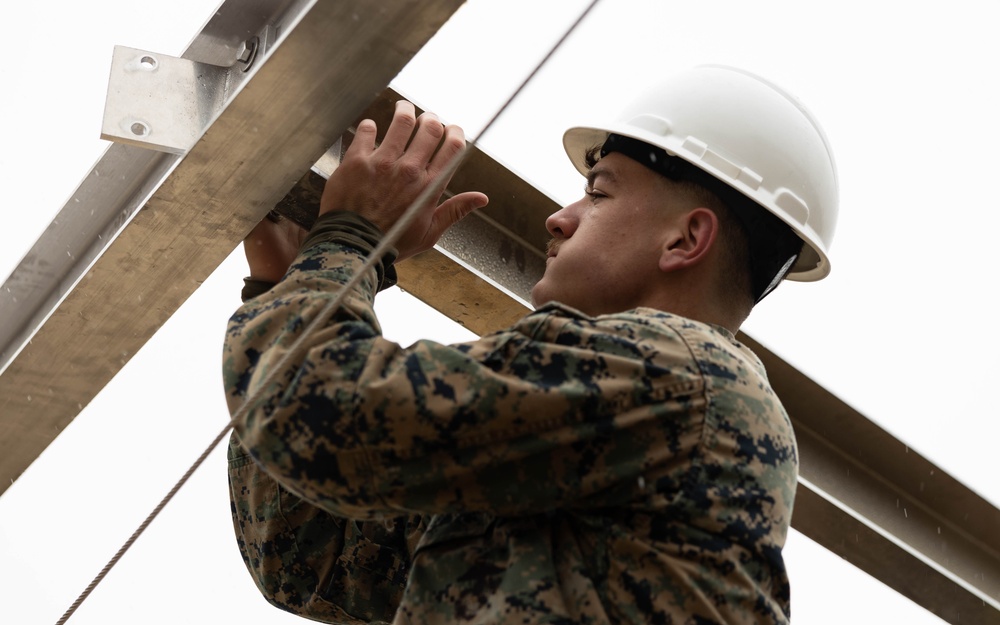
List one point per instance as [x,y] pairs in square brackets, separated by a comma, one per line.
[592,193]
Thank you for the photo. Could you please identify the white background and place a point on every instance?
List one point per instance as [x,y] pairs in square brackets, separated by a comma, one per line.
[902,329]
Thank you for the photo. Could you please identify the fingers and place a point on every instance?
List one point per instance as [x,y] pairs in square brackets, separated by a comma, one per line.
[381,182]
[364,138]
[423,142]
[400,130]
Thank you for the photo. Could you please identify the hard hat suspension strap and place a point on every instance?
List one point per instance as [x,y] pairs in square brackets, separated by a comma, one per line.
[774,247]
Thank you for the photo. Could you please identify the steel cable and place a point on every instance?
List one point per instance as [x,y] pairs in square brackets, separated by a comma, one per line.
[324,316]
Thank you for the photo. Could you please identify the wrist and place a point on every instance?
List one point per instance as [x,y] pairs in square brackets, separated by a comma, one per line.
[352,229]
[252,287]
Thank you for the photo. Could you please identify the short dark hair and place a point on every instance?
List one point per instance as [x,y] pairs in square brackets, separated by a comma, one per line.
[752,235]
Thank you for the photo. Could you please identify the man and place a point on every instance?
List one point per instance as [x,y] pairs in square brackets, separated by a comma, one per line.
[615,457]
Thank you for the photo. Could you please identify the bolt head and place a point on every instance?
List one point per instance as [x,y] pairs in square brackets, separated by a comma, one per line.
[246,54]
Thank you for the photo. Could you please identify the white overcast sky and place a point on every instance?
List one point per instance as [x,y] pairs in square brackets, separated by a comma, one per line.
[902,329]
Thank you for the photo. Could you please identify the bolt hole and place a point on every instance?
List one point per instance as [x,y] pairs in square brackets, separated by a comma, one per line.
[140,129]
[147,62]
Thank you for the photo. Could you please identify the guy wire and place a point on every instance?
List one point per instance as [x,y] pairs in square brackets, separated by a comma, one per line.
[325,314]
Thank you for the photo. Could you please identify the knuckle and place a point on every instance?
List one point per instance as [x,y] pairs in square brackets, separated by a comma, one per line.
[410,170]
[383,166]
[404,117]
[449,150]
[432,125]
[454,139]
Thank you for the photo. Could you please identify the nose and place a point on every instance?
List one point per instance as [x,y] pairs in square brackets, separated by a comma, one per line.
[562,223]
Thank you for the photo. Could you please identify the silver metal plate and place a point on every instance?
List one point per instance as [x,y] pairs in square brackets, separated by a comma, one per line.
[162,102]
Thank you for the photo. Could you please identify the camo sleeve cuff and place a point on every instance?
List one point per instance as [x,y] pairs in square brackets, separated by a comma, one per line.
[337,227]
[347,228]
[252,288]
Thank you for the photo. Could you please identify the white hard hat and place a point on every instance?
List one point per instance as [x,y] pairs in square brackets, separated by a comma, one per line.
[746,132]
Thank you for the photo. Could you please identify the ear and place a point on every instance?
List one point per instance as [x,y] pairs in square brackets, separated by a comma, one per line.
[690,240]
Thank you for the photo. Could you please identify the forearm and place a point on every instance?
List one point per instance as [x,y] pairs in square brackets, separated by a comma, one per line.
[311,563]
[263,330]
[362,428]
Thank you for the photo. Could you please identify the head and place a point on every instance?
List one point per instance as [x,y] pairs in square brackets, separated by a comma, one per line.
[751,144]
[651,233]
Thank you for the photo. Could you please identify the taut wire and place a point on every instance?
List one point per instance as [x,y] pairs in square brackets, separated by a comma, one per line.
[324,316]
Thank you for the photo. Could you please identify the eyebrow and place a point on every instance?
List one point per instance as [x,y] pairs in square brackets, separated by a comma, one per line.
[600,172]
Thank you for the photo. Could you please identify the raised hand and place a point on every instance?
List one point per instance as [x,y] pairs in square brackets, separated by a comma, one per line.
[380,182]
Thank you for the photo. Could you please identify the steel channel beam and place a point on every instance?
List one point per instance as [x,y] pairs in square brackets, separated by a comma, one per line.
[869,498]
[101,207]
[91,292]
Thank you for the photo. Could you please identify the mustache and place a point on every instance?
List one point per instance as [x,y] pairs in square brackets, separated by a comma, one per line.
[552,246]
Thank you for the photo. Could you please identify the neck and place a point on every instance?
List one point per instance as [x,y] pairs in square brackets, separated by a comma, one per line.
[699,305]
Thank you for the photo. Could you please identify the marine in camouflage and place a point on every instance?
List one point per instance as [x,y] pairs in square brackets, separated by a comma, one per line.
[627,468]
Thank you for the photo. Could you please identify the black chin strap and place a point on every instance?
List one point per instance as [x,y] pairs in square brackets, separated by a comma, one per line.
[774,247]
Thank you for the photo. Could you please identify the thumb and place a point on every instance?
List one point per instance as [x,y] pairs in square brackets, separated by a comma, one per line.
[454,209]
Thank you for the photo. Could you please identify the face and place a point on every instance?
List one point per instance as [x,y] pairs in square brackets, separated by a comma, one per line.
[605,251]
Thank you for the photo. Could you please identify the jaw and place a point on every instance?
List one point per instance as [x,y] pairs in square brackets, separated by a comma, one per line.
[547,289]
[537,295]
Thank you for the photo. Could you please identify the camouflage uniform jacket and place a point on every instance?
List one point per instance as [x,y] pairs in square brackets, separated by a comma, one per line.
[629,468]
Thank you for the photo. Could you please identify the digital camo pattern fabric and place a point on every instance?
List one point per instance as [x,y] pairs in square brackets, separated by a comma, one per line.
[629,468]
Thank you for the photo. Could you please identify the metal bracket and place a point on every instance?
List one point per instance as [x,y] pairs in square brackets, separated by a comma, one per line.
[165,103]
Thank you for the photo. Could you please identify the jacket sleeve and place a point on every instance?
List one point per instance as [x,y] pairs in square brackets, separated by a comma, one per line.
[309,562]
[363,428]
